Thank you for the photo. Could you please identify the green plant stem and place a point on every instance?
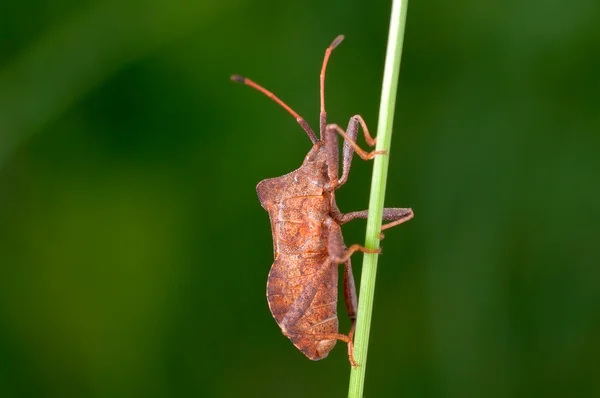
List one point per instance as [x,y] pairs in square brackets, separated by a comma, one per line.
[378,184]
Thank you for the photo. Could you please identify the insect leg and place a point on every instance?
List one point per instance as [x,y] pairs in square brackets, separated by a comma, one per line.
[351,302]
[350,294]
[398,216]
[394,214]
[330,336]
[333,159]
[338,253]
[350,145]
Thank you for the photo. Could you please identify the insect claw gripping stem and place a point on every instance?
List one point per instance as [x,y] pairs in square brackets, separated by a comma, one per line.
[351,250]
[359,151]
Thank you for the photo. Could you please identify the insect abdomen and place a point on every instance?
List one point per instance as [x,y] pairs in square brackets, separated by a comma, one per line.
[288,278]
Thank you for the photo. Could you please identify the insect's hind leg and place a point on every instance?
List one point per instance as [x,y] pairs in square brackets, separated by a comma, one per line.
[350,299]
[300,306]
[328,336]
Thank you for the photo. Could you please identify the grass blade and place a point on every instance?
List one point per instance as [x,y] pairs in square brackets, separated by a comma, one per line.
[378,184]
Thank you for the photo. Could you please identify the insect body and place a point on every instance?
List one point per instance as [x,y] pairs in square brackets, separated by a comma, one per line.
[307,239]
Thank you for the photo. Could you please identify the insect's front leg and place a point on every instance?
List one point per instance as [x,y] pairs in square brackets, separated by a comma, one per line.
[350,145]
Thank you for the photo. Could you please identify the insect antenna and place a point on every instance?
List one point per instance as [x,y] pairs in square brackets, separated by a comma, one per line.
[323,117]
[299,119]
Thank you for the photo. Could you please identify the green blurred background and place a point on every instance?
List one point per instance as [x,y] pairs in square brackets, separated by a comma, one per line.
[134,252]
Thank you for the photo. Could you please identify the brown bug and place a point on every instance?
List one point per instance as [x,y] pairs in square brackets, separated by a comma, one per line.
[302,287]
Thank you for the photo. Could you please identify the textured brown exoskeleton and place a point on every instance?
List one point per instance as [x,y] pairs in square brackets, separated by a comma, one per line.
[302,288]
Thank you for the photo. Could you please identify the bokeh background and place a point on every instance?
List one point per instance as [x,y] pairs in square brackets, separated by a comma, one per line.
[134,252]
